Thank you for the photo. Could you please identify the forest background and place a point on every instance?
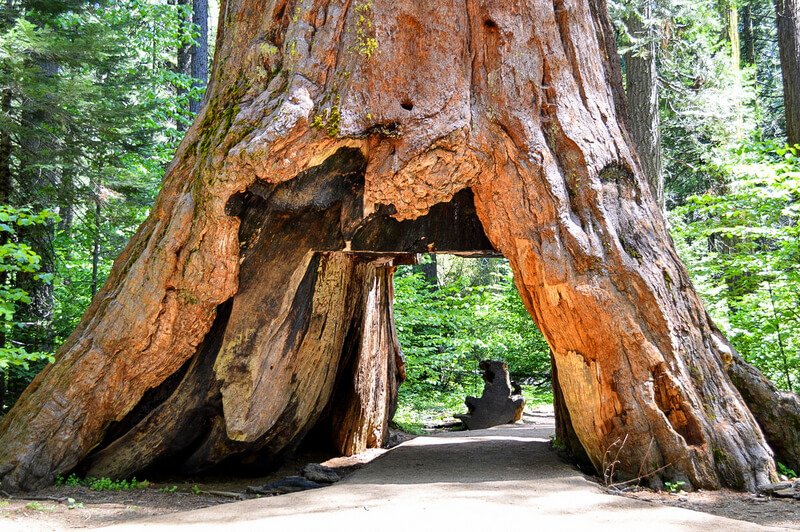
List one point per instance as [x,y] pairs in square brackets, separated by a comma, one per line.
[95,96]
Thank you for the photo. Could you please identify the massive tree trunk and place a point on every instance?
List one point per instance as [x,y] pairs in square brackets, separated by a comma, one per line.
[253,304]
[787,15]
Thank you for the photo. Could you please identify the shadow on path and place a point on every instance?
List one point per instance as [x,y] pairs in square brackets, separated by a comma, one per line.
[500,478]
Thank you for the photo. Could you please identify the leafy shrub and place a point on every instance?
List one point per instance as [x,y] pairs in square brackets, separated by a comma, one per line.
[17,257]
[101,484]
[18,365]
[72,480]
[742,247]
[785,471]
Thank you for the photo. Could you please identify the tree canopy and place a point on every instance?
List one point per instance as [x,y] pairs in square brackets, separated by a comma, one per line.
[91,108]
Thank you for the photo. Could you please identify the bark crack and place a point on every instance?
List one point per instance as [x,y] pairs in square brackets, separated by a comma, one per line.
[561,15]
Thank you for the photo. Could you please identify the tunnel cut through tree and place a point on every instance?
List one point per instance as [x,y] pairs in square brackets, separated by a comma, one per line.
[452,316]
[254,302]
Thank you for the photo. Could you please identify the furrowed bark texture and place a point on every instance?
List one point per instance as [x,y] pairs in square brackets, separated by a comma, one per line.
[335,143]
[777,412]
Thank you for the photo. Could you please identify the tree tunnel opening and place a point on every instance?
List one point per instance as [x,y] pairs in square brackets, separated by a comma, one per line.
[307,351]
[451,313]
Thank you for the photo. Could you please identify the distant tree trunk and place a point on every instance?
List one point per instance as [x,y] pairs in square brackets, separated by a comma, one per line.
[642,92]
[787,15]
[730,18]
[5,150]
[430,272]
[184,64]
[748,39]
[37,186]
[98,231]
[66,208]
[5,196]
[334,146]
[199,50]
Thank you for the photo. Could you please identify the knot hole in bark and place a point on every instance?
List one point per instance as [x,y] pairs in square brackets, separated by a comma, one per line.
[619,174]
[623,179]
[493,44]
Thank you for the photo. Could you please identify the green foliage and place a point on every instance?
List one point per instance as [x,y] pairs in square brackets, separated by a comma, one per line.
[16,257]
[742,248]
[168,489]
[445,331]
[106,484]
[72,504]
[785,471]
[72,480]
[92,110]
[101,484]
[707,104]
[38,507]
[675,487]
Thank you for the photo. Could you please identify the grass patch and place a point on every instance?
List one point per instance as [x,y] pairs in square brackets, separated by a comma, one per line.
[101,484]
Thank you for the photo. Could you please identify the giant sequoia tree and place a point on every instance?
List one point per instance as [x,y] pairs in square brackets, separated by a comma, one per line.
[340,137]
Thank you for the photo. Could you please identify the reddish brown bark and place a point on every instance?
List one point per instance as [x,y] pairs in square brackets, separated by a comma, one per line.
[333,132]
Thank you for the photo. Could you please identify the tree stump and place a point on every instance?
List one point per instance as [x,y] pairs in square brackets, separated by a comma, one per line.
[501,401]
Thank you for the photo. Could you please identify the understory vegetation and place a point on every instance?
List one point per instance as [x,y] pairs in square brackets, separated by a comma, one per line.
[102,484]
[741,246]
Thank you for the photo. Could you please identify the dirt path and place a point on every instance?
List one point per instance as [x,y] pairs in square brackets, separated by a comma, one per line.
[499,478]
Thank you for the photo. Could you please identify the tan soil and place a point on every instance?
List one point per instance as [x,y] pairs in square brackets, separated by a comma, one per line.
[735,505]
[49,509]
